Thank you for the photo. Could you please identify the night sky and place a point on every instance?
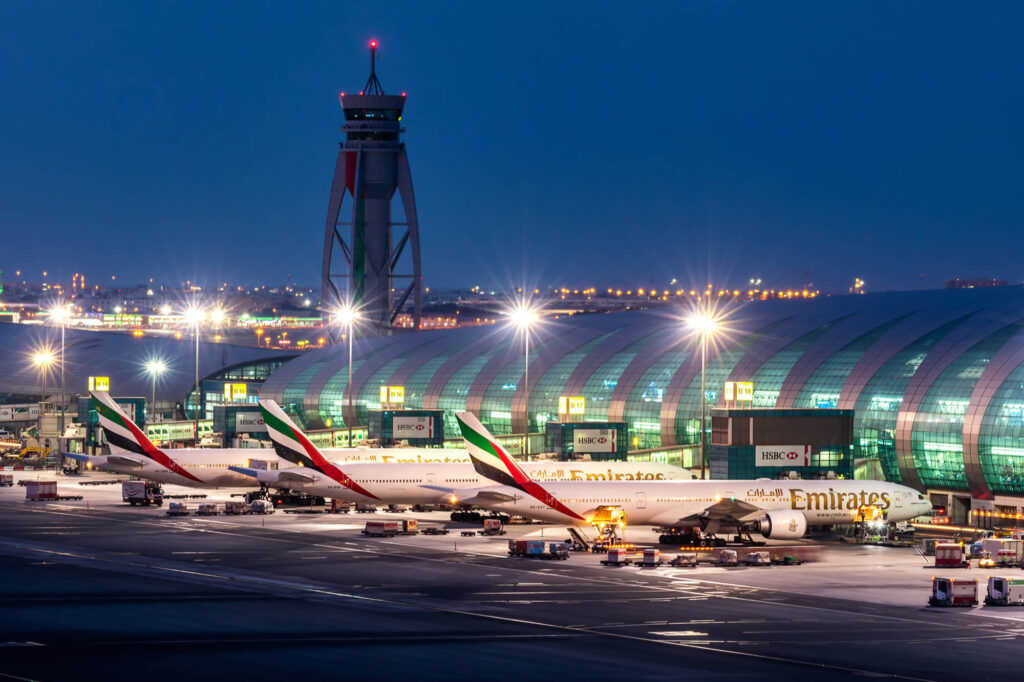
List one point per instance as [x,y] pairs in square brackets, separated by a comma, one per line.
[578,143]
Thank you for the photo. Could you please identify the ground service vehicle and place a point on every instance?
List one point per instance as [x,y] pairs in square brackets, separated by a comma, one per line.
[261,507]
[386,529]
[235,507]
[535,549]
[1005,591]
[41,490]
[617,557]
[380,529]
[950,555]
[177,509]
[652,558]
[758,559]
[142,492]
[6,480]
[685,559]
[728,557]
[954,592]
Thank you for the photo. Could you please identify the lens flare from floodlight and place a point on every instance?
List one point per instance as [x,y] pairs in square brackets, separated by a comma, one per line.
[217,315]
[42,358]
[346,315]
[523,316]
[155,367]
[193,315]
[60,312]
[703,323]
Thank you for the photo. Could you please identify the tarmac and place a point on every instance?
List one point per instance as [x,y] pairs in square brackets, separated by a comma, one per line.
[96,589]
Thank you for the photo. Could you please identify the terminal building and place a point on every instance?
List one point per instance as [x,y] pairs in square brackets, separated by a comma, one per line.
[935,380]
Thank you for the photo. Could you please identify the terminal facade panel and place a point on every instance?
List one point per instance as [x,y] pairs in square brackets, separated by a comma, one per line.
[935,379]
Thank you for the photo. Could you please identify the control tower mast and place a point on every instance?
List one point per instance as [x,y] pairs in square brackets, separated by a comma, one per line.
[361,251]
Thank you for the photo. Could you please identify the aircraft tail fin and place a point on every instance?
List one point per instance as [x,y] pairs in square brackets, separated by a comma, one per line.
[494,462]
[124,436]
[490,459]
[121,432]
[293,445]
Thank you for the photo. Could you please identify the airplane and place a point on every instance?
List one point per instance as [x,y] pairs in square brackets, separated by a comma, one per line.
[419,483]
[777,509]
[132,452]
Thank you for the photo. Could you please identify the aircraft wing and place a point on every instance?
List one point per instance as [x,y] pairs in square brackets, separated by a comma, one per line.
[485,496]
[729,513]
[124,460]
[295,475]
[278,477]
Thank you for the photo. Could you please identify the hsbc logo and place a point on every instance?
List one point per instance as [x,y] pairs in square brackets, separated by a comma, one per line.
[782,455]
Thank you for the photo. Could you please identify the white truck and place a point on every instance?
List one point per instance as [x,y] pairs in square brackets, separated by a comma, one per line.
[1005,591]
[142,492]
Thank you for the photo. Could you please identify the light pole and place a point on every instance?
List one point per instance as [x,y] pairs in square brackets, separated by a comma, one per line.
[42,359]
[193,318]
[523,316]
[61,313]
[154,368]
[347,315]
[705,324]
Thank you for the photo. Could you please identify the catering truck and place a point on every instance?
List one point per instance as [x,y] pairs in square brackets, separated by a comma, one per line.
[1005,591]
[142,492]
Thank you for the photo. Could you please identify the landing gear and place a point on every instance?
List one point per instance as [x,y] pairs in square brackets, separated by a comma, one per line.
[690,537]
[262,494]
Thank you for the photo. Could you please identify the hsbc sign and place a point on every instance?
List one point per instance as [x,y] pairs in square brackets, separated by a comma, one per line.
[403,428]
[593,440]
[782,456]
[249,422]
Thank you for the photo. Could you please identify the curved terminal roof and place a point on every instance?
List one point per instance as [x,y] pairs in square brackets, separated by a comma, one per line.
[936,377]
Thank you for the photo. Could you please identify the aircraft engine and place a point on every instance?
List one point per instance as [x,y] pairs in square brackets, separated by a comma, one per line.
[783,525]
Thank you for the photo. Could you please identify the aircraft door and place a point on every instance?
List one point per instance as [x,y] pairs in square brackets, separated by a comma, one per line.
[430,479]
[641,500]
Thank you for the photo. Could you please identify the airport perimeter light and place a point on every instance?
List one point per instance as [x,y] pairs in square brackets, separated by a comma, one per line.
[155,368]
[707,324]
[523,315]
[347,315]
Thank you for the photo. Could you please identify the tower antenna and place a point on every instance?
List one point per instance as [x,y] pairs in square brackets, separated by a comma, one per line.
[373,86]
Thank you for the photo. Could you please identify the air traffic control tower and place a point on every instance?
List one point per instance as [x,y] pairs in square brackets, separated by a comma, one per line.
[364,243]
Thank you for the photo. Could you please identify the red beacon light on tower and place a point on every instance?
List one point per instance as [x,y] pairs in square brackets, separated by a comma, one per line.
[373,44]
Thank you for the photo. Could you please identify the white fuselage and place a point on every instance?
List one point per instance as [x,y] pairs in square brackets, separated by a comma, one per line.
[664,503]
[211,465]
[429,483]
[196,468]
